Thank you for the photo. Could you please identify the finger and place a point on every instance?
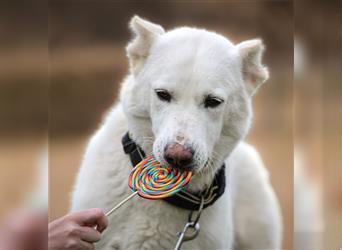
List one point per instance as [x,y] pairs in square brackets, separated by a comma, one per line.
[102,224]
[86,245]
[89,234]
[92,217]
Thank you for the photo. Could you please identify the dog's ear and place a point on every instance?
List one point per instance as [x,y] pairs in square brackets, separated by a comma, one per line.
[145,33]
[254,73]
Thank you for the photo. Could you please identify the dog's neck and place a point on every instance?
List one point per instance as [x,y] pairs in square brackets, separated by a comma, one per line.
[143,136]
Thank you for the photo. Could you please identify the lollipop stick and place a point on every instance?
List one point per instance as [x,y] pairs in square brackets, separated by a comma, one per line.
[121,203]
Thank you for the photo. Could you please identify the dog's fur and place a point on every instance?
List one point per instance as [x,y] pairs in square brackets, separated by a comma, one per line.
[190,64]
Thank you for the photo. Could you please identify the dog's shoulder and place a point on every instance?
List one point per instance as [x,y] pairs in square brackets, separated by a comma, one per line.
[246,167]
[256,208]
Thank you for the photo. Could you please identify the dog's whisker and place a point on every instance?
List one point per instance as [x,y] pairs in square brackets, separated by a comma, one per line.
[147,137]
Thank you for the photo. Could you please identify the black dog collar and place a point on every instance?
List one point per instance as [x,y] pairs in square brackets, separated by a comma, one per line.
[183,199]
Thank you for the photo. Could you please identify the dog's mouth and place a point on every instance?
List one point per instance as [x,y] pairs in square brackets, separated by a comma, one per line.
[203,167]
[194,167]
[190,167]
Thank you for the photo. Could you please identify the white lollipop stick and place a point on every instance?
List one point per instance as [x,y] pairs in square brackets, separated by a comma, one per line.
[121,203]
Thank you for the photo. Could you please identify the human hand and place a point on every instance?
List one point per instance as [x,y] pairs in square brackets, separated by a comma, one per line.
[77,231]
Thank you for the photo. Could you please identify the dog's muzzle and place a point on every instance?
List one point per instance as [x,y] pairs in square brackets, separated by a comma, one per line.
[179,156]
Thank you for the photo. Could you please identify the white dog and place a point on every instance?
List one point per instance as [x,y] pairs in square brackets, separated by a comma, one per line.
[187,100]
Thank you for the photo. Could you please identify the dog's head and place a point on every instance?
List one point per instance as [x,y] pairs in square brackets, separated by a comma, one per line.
[192,89]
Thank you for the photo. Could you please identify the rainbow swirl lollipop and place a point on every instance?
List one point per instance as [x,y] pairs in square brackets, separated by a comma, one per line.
[152,180]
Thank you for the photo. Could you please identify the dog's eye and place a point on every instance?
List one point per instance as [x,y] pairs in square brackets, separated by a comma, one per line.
[212,102]
[163,95]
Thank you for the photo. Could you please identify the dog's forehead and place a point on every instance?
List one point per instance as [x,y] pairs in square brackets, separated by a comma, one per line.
[194,44]
[188,54]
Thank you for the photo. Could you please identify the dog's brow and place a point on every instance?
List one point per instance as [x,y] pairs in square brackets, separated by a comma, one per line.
[219,93]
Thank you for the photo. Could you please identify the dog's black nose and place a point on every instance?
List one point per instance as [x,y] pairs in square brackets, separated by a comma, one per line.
[178,155]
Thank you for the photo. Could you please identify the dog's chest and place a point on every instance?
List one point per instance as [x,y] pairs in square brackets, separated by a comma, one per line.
[145,224]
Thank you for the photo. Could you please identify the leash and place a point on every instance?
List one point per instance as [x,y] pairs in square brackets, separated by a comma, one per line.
[192,225]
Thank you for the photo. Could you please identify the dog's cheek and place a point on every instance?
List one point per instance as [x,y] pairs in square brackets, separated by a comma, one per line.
[214,127]
[238,117]
[159,113]
[134,99]
[201,156]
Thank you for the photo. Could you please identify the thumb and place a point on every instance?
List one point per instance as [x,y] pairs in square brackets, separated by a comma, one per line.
[92,217]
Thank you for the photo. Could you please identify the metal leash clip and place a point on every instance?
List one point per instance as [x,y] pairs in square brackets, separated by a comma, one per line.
[192,225]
